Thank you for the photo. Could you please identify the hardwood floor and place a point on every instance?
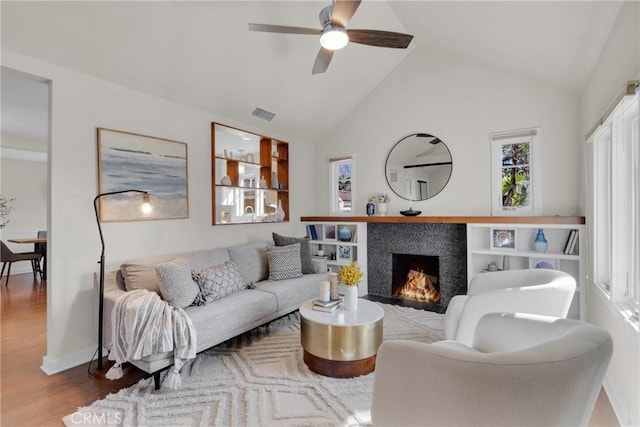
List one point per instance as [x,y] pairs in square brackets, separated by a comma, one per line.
[28,397]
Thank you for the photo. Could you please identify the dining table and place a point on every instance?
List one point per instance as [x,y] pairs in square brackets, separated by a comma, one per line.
[33,240]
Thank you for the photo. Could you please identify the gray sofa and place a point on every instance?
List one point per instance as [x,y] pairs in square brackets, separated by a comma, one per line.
[224,318]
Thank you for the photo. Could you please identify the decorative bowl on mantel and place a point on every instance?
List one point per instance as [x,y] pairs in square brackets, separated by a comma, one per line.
[410,212]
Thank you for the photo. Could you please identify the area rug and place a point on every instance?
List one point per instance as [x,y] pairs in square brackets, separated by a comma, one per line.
[257,379]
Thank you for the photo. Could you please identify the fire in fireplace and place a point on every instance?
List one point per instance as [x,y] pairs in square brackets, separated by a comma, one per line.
[416,277]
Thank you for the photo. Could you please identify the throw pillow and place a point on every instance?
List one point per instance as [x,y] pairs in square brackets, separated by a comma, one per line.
[284,262]
[176,285]
[217,282]
[305,250]
[140,276]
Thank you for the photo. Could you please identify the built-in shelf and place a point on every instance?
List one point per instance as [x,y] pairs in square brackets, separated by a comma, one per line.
[451,219]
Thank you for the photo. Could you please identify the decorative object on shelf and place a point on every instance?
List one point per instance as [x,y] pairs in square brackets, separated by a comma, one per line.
[550,263]
[382,199]
[350,275]
[344,234]
[503,238]
[263,182]
[371,207]
[334,289]
[226,180]
[345,253]
[274,180]
[410,211]
[492,266]
[225,217]
[540,244]
[280,211]
[275,153]
[320,251]
[144,207]
[506,263]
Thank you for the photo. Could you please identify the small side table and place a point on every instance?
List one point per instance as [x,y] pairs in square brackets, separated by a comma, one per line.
[342,344]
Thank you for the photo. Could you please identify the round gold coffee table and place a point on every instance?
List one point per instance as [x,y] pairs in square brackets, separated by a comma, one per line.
[342,344]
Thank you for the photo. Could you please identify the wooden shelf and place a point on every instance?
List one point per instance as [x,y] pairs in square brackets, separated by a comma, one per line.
[451,219]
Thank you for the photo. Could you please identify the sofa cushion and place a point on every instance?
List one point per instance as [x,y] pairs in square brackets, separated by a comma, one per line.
[140,276]
[284,262]
[217,282]
[251,260]
[176,284]
[229,316]
[305,250]
[293,292]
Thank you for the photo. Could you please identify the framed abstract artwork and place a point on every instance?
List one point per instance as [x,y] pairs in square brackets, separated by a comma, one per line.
[130,161]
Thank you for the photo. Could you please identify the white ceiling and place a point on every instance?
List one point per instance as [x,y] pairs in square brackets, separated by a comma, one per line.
[201,53]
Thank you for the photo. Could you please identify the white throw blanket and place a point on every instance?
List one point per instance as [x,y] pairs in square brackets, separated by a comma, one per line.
[142,325]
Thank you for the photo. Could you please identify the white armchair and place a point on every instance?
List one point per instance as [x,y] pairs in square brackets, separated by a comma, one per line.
[522,370]
[536,291]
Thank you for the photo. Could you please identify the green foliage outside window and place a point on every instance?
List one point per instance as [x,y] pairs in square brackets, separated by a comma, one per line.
[516,175]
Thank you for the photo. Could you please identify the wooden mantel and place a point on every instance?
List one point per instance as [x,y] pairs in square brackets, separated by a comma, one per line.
[450,219]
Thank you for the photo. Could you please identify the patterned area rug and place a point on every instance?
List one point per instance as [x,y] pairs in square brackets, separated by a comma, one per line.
[257,379]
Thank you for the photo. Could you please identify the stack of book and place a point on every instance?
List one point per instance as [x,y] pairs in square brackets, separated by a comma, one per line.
[571,247]
[326,306]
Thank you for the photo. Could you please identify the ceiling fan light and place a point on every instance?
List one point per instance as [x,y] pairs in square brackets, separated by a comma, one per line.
[334,39]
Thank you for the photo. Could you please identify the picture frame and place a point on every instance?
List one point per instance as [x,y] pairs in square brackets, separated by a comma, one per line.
[131,161]
[503,239]
[550,263]
[329,232]
[345,253]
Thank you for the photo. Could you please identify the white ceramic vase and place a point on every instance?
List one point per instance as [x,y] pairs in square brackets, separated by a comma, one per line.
[350,298]
[280,212]
[382,209]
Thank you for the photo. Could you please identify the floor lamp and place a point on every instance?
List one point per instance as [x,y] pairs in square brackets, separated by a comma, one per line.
[146,208]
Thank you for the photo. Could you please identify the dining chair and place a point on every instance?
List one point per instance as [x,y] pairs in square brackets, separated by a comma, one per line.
[7,256]
[41,248]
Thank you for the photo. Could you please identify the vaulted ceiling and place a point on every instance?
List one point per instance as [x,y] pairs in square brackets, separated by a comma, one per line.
[201,53]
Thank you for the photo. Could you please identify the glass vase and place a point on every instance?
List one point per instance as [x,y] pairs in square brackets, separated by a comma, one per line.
[540,244]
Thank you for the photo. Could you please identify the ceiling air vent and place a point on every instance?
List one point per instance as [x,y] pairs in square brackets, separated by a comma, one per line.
[263,114]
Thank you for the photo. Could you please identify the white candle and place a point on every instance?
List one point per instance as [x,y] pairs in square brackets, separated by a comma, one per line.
[324,290]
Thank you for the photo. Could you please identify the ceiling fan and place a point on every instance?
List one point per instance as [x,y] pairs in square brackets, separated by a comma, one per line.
[334,34]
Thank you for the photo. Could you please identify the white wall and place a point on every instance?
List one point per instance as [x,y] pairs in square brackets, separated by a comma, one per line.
[461,103]
[26,181]
[618,63]
[79,104]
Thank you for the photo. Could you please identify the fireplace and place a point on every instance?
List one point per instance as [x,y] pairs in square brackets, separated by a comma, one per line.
[415,277]
[437,250]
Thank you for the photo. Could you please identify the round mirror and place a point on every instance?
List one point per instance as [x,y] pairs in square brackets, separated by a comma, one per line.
[418,166]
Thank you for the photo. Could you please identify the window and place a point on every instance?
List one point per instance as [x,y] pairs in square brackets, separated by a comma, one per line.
[615,206]
[514,174]
[341,184]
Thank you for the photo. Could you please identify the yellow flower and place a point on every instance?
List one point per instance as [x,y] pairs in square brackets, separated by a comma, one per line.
[350,274]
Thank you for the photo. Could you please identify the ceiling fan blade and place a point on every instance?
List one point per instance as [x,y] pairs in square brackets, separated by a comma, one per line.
[380,38]
[322,61]
[267,28]
[343,11]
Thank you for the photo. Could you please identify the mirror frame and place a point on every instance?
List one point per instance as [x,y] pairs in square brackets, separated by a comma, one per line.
[397,146]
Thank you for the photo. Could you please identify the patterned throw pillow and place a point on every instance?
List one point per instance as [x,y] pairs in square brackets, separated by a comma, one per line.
[176,285]
[217,282]
[305,250]
[284,262]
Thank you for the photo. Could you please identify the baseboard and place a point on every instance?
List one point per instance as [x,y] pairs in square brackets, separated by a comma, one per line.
[614,398]
[52,366]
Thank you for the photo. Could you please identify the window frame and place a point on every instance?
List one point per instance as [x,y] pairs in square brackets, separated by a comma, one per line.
[333,175]
[615,164]
[532,136]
